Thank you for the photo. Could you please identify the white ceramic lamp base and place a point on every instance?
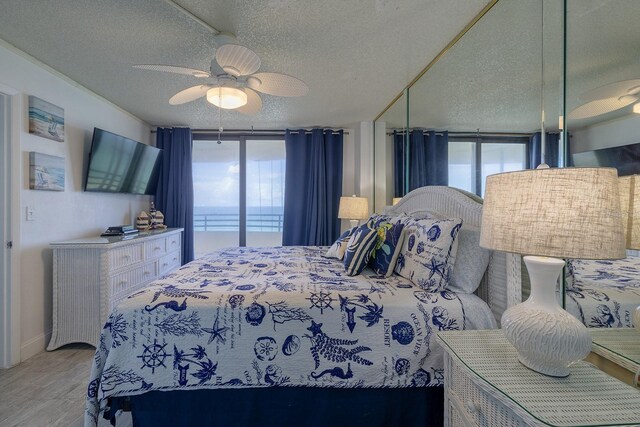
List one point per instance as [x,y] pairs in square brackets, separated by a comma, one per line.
[548,339]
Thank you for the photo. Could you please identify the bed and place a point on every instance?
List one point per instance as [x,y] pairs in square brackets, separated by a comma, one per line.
[603,294]
[281,336]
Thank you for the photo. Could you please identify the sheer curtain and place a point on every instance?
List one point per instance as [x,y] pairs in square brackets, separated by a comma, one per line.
[313,186]
[174,195]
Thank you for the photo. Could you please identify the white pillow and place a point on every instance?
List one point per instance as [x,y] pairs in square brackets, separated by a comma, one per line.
[471,261]
[340,246]
[428,252]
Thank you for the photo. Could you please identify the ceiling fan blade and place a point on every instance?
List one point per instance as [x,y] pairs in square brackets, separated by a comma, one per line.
[174,69]
[253,105]
[237,60]
[190,94]
[601,106]
[277,84]
[625,87]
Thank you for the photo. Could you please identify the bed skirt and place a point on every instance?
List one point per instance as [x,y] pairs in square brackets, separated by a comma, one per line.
[285,406]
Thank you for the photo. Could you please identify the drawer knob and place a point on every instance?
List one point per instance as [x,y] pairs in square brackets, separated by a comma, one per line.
[157,248]
[471,406]
[123,282]
[126,256]
[146,273]
[165,264]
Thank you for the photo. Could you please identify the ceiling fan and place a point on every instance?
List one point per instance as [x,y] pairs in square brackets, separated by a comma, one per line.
[232,81]
[607,98]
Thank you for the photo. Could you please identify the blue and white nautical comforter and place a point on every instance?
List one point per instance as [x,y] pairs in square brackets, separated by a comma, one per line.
[602,293]
[261,317]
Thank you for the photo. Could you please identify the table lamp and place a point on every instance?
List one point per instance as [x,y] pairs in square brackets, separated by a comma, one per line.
[630,205]
[354,209]
[395,200]
[547,214]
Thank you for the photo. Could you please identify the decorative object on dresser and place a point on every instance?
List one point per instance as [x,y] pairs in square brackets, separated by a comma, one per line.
[549,214]
[154,220]
[90,276]
[486,386]
[354,209]
[630,205]
[616,351]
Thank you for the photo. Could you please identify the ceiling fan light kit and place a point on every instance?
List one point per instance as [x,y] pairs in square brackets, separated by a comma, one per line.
[233,81]
[228,98]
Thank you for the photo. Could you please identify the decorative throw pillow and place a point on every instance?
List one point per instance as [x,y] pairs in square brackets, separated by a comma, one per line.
[387,248]
[359,248]
[340,246]
[471,261]
[428,252]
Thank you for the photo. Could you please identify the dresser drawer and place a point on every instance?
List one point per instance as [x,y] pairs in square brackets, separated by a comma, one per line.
[173,242]
[124,256]
[155,248]
[130,280]
[476,407]
[169,262]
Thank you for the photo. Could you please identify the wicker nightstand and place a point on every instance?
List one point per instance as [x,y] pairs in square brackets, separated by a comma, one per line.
[485,385]
[616,351]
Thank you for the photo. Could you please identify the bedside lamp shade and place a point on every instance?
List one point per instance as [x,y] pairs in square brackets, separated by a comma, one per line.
[564,213]
[630,206]
[547,214]
[354,209]
[395,200]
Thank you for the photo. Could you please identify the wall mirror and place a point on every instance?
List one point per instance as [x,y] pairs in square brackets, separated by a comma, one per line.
[603,74]
[478,108]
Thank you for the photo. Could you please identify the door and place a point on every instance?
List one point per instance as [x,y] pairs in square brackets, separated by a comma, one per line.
[5,234]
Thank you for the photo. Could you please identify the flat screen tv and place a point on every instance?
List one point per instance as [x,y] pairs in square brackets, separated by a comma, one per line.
[121,165]
[625,158]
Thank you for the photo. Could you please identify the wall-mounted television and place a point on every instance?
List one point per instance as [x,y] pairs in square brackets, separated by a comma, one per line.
[625,158]
[121,165]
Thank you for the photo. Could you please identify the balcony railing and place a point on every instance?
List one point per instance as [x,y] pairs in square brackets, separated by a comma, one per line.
[231,222]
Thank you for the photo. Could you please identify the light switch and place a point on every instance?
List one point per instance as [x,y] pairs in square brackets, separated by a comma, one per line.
[30,213]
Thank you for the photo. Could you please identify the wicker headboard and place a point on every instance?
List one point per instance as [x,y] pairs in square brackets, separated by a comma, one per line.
[496,288]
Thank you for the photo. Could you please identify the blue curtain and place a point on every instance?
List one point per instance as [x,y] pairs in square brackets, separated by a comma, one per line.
[552,146]
[313,186]
[174,195]
[429,158]
[399,162]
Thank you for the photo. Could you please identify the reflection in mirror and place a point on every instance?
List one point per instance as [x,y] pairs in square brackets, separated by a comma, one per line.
[389,162]
[478,110]
[603,114]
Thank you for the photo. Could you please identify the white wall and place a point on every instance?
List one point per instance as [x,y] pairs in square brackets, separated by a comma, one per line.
[622,131]
[59,215]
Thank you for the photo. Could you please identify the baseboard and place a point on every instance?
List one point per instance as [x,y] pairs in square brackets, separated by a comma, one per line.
[34,346]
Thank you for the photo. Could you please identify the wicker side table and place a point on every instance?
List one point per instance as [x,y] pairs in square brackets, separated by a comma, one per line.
[485,385]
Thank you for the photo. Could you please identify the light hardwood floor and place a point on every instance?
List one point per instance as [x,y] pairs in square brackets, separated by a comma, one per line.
[49,390]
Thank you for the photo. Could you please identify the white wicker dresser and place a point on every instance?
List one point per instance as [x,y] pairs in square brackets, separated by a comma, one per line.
[485,385]
[90,276]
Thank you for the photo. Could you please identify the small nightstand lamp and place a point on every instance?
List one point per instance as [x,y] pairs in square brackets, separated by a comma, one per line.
[547,214]
[395,200]
[354,209]
[630,205]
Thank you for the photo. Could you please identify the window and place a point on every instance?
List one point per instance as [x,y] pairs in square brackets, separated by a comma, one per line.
[238,192]
[470,166]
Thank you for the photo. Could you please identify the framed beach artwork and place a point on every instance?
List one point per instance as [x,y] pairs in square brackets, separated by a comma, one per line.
[46,172]
[45,119]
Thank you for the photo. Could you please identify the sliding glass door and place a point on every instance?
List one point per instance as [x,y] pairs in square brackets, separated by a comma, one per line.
[238,192]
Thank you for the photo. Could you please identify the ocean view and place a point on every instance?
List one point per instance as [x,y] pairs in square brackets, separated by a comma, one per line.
[226,218]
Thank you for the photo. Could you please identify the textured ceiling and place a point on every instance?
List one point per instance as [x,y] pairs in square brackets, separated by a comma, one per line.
[491,79]
[354,55]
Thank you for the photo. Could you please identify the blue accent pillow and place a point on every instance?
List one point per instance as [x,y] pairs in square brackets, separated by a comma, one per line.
[428,252]
[339,247]
[387,248]
[361,244]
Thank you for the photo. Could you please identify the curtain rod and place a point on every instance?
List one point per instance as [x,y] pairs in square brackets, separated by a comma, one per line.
[253,131]
[474,134]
